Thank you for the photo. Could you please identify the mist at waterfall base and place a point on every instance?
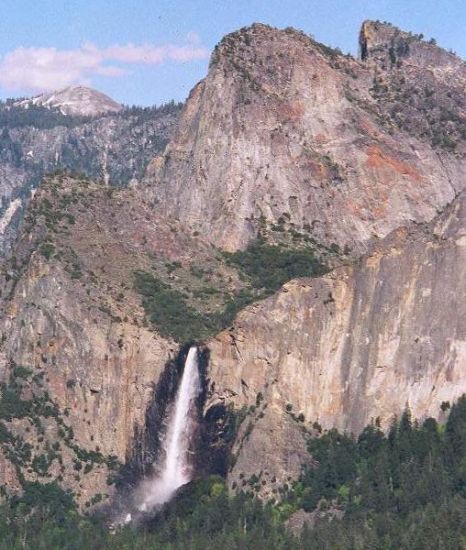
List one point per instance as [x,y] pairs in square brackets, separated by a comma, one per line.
[174,469]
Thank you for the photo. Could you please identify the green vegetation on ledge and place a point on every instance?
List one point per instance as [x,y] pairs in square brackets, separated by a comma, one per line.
[268,267]
[262,268]
[168,311]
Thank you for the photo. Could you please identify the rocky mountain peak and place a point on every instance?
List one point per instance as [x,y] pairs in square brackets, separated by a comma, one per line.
[263,44]
[75,100]
[391,47]
[289,116]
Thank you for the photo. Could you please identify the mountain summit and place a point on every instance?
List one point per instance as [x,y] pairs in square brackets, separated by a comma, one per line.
[75,100]
[346,150]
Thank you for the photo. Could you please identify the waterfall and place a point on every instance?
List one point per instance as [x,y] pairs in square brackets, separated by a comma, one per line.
[175,469]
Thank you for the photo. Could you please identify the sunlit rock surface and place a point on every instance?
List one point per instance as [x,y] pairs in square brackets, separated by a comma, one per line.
[352,348]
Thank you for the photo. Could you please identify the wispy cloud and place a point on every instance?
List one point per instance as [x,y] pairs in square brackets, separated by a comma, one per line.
[40,69]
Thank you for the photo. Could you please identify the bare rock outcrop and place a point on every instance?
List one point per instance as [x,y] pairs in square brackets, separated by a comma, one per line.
[284,126]
[76,353]
[351,348]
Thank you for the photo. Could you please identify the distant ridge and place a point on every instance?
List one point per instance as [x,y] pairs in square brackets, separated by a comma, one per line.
[74,100]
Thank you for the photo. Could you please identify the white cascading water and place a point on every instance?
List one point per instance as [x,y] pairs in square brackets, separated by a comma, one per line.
[176,469]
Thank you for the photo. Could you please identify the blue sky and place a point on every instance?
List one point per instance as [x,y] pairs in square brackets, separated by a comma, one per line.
[150,51]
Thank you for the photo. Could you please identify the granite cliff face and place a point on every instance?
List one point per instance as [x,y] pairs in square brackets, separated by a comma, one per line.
[357,153]
[79,361]
[352,348]
[283,126]
[418,86]
[287,138]
[74,337]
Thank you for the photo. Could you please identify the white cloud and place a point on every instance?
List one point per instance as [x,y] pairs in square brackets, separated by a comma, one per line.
[40,69]
[154,55]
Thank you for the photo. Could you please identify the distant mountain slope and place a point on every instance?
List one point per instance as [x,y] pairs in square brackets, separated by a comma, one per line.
[75,101]
[115,147]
